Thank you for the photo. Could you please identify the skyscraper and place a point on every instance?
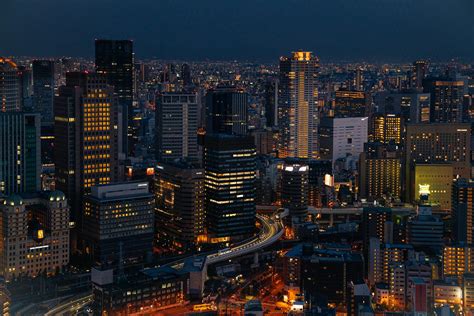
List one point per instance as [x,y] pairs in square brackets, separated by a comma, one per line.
[20,165]
[413,106]
[271,102]
[86,136]
[463,211]
[226,111]
[230,174]
[298,118]
[446,99]
[176,122]
[115,59]
[295,190]
[43,90]
[420,70]
[386,128]
[118,223]
[179,196]
[436,144]
[10,91]
[351,104]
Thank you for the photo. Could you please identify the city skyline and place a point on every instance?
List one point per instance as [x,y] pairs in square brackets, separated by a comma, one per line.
[260,31]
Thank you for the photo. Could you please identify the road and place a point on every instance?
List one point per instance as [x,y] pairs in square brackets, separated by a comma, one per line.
[70,307]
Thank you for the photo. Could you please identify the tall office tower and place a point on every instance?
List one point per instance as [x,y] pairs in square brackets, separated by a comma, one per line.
[298,117]
[413,106]
[446,99]
[186,75]
[386,128]
[375,224]
[358,80]
[10,97]
[43,90]
[420,70]
[20,165]
[118,223]
[115,59]
[463,211]
[34,237]
[86,137]
[295,190]
[457,260]
[226,111]
[179,212]
[26,88]
[380,169]
[176,122]
[271,102]
[436,144]
[351,104]
[340,137]
[230,173]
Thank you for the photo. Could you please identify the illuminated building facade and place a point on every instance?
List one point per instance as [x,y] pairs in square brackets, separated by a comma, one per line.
[457,260]
[5,299]
[351,104]
[463,211]
[468,291]
[436,144]
[86,137]
[298,118]
[446,99]
[20,157]
[176,122]
[386,128]
[380,172]
[179,211]
[226,111]
[439,178]
[10,86]
[230,175]
[118,223]
[43,90]
[420,69]
[447,293]
[115,59]
[34,235]
[340,137]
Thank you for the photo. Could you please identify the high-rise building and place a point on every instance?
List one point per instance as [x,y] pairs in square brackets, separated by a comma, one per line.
[386,128]
[375,224]
[20,165]
[179,212]
[118,223]
[271,102]
[435,144]
[295,190]
[230,175]
[43,90]
[298,117]
[457,260]
[438,180]
[10,91]
[463,210]
[86,137]
[413,106]
[176,122]
[420,70]
[446,99]
[34,237]
[186,75]
[226,111]
[340,137]
[380,172]
[351,104]
[115,59]
[468,291]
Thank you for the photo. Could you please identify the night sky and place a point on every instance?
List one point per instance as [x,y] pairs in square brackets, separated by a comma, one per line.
[259,30]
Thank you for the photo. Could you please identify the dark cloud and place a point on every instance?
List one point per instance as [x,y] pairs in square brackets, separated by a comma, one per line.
[243,29]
